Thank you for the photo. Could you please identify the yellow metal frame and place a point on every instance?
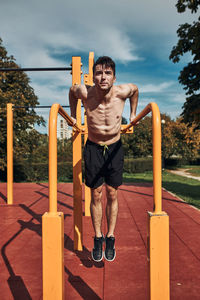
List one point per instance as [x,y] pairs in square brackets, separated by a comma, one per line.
[158,221]
[77,161]
[156,125]
[53,221]
[55,110]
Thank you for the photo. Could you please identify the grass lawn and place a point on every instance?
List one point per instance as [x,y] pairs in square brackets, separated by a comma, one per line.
[193,170]
[186,188]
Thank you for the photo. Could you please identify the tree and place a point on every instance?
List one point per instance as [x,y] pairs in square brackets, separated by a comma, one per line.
[180,140]
[177,139]
[15,88]
[139,144]
[189,42]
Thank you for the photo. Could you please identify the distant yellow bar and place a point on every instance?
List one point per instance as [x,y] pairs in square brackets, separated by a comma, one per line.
[9,153]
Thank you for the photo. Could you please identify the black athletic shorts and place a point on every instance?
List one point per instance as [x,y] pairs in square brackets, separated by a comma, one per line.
[103,163]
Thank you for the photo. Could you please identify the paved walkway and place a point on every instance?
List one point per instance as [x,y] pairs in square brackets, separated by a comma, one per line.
[183,172]
[125,278]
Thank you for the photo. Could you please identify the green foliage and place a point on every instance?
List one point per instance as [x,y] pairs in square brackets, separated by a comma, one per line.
[139,144]
[65,150]
[180,140]
[138,165]
[174,162]
[33,166]
[182,5]
[177,139]
[15,88]
[27,171]
[189,42]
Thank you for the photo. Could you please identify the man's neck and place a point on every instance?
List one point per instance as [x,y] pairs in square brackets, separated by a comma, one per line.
[104,96]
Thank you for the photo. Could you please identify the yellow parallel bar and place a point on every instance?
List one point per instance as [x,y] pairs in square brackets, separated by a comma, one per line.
[55,109]
[157,165]
[9,153]
[53,158]
[88,80]
[156,128]
[158,222]
[129,130]
[63,113]
[141,115]
[77,163]
[53,221]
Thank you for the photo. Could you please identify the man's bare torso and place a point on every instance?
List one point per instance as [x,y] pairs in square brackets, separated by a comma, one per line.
[104,115]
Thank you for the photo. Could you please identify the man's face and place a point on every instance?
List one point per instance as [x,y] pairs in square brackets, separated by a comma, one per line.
[103,77]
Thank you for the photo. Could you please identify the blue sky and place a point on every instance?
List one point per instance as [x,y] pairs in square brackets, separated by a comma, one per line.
[138,35]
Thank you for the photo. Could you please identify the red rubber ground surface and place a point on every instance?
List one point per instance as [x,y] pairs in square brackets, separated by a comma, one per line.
[126,277]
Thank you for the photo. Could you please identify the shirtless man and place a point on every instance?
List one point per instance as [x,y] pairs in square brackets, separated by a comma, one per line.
[103,153]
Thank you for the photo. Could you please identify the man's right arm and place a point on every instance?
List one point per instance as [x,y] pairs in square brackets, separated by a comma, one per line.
[76,92]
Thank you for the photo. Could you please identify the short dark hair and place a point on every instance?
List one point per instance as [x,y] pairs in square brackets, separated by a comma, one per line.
[105,61]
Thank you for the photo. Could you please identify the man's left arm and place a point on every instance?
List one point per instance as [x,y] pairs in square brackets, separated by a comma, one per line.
[133,97]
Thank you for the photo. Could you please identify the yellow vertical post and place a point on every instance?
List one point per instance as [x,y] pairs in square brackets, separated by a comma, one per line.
[158,222]
[9,153]
[53,225]
[158,225]
[77,162]
[53,256]
[88,80]
[157,165]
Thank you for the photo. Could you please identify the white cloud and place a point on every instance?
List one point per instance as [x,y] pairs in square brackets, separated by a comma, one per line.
[32,30]
[178,98]
[102,26]
[155,88]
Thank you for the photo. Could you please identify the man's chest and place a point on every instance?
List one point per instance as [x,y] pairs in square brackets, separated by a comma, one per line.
[108,112]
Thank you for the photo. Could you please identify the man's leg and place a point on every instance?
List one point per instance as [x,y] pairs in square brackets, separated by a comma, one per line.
[96,214]
[96,210]
[111,209]
[111,213]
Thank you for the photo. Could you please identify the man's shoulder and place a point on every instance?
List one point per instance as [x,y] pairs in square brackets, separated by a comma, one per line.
[82,90]
[124,90]
[125,86]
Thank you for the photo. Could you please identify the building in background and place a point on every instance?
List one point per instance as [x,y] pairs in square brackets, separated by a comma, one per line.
[64,131]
